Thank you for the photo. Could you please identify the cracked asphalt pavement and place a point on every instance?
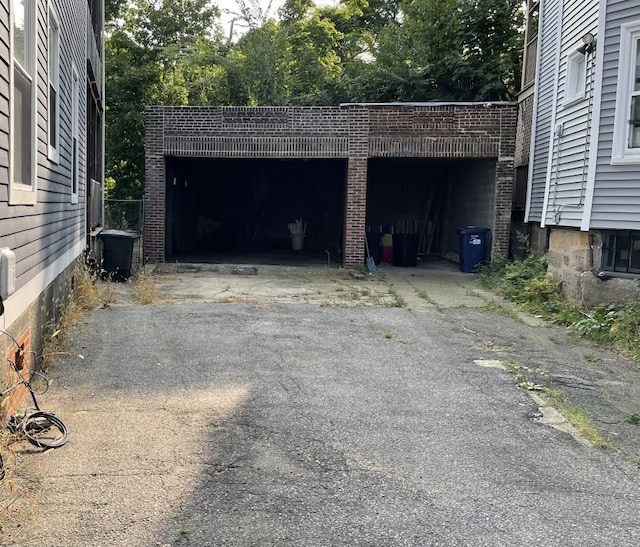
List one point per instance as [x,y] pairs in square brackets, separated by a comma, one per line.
[298,407]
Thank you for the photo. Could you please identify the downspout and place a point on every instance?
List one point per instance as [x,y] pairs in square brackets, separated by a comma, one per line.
[554,112]
[104,111]
[596,110]
[585,167]
[600,274]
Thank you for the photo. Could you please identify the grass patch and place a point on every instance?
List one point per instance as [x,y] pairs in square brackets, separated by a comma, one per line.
[488,345]
[527,283]
[498,308]
[525,375]
[632,418]
[396,300]
[84,296]
[426,297]
[530,380]
[145,289]
[581,420]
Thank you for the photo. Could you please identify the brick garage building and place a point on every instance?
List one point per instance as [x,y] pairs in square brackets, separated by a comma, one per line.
[221,179]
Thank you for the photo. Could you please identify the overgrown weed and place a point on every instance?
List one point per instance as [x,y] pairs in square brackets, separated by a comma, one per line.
[84,296]
[527,282]
[144,288]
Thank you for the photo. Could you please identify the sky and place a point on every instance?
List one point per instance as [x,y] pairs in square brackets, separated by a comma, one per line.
[230,5]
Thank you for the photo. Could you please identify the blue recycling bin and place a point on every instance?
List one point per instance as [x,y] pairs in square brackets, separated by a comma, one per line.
[473,247]
[117,253]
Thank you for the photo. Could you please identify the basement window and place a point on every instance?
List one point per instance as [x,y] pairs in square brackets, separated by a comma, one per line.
[621,252]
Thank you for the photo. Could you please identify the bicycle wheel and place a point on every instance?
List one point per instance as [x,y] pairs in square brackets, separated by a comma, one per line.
[44,429]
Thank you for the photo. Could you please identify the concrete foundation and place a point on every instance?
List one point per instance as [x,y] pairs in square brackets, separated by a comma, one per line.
[574,258]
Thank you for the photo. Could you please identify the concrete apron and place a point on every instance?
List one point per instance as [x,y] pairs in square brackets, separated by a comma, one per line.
[418,289]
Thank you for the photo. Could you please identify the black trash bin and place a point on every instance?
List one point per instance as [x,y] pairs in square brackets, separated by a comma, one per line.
[117,253]
[473,247]
[405,250]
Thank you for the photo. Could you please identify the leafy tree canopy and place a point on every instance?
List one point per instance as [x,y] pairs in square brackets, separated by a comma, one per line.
[176,52]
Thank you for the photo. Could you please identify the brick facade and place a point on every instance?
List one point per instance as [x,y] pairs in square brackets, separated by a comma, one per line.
[355,132]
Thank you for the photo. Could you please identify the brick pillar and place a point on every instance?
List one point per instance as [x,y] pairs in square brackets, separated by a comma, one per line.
[505,174]
[502,210]
[356,207]
[155,187]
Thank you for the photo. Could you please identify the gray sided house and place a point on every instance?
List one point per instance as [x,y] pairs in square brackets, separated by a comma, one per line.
[584,156]
[51,156]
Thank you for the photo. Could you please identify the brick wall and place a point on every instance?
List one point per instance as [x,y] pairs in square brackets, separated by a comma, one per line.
[20,356]
[353,131]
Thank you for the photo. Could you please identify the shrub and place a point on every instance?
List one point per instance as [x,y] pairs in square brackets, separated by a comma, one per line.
[527,283]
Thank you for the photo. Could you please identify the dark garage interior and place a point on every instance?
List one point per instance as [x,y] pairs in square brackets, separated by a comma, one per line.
[429,198]
[222,208]
[236,209]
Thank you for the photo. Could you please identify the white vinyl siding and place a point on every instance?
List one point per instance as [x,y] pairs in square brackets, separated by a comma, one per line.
[550,20]
[22,165]
[616,193]
[567,170]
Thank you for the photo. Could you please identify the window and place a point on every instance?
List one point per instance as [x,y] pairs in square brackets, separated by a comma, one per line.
[22,167]
[621,252]
[75,129]
[634,120]
[626,134]
[576,77]
[54,85]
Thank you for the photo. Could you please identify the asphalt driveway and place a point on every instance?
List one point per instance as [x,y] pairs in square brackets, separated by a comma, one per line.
[227,416]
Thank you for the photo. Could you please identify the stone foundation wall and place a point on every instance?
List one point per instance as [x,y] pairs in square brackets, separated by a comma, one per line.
[574,258]
[538,238]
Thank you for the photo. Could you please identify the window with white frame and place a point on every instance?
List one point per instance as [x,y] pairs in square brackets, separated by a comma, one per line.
[54,86]
[22,167]
[634,118]
[75,132]
[576,77]
[626,134]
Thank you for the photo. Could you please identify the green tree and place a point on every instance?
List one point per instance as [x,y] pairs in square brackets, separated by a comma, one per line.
[422,50]
[257,67]
[158,52]
[467,49]
[312,48]
[174,52]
